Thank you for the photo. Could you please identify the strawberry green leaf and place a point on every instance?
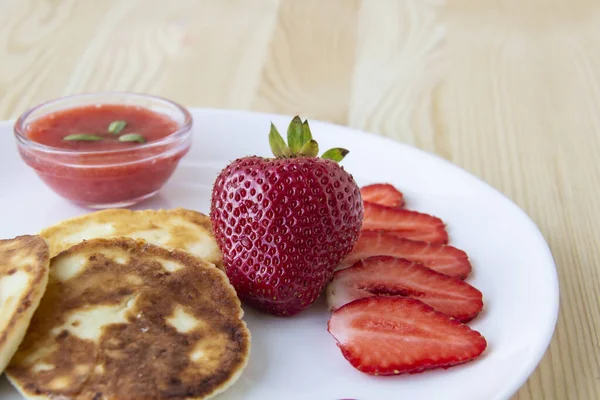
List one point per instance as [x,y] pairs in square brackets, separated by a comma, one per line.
[294,135]
[336,154]
[278,146]
[306,135]
[310,148]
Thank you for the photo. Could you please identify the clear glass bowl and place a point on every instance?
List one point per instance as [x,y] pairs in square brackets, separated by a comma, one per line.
[106,178]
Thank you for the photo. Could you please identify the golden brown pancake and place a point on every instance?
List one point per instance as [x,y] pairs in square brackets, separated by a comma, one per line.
[124,319]
[177,229]
[24,265]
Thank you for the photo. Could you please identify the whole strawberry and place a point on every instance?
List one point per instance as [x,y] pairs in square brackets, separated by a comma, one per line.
[283,224]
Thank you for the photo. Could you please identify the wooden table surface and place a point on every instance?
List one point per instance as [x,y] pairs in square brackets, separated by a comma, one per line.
[508,90]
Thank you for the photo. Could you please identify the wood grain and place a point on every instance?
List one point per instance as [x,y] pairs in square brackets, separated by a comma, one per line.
[310,64]
[507,89]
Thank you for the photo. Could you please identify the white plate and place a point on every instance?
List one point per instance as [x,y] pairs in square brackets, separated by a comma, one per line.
[296,358]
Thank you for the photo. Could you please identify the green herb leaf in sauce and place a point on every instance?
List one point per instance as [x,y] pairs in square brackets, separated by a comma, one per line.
[83,137]
[132,137]
[116,127]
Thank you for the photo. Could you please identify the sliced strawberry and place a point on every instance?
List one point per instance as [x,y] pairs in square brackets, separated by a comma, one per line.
[390,276]
[396,335]
[440,257]
[409,224]
[382,193]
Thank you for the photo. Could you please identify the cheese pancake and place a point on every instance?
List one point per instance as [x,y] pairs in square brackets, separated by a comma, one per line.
[177,229]
[24,265]
[125,319]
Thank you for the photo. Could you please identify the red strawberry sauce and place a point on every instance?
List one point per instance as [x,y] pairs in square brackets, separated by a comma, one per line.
[106,170]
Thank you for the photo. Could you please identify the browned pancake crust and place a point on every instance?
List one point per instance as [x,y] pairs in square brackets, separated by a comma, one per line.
[181,235]
[24,246]
[145,358]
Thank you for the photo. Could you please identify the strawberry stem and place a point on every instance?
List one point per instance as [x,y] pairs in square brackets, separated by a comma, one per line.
[300,142]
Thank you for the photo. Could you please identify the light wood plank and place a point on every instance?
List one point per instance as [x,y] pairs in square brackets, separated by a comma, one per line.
[206,53]
[400,66]
[310,63]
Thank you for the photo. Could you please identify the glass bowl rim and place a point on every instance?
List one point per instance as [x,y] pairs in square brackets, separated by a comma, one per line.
[181,133]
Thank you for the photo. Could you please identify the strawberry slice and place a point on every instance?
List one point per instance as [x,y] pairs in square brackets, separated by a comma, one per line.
[396,335]
[390,276]
[440,257]
[409,224]
[382,193]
